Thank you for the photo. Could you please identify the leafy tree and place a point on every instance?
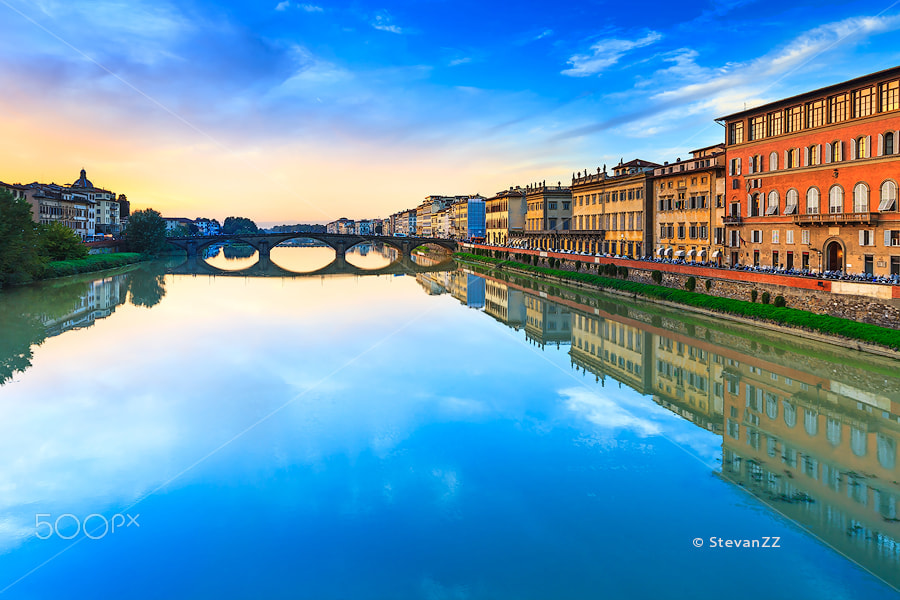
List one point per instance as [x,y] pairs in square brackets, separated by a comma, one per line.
[61,243]
[239,225]
[21,258]
[146,232]
[178,231]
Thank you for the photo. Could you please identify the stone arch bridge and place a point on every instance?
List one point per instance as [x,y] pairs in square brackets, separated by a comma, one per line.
[340,243]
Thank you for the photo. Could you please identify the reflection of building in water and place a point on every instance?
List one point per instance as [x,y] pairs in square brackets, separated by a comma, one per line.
[99,300]
[687,379]
[607,347]
[434,284]
[547,322]
[821,454]
[467,288]
[504,303]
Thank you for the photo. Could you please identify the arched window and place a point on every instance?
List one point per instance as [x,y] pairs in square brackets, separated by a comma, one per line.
[772,208]
[754,206]
[889,142]
[792,199]
[858,441]
[773,161]
[812,155]
[790,414]
[860,147]
[833,432]
[887,451]
[835,151]
[771,406]
[836,199]
[790,159]
[811,421]
[888,196]
[860,198]
[812,201]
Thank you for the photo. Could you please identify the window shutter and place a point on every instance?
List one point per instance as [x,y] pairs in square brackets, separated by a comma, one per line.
[827,153]
[731,168]
[806,157]
[739,166]
[852,149]
[862,238]
[887,237]
[750,166]
[896,141]
[880,144]
[840,150]
[819,154]
[798,150]
[868,147]
[785,159]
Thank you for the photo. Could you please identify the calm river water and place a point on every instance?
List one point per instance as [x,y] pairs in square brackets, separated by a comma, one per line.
[443,435]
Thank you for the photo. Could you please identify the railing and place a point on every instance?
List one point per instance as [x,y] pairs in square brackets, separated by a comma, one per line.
[731,220]
[823,218]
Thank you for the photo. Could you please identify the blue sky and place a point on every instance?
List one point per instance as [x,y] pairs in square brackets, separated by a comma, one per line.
[286,111]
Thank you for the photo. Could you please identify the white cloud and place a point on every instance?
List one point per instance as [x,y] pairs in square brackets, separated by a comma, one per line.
[384,22]
[605,412]
[606,53]
[460,61]
[310,8]
[283,5]
[543,34]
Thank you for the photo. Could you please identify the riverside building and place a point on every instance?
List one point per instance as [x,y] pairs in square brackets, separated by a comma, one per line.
[812,179]
[613,213]
[689,202]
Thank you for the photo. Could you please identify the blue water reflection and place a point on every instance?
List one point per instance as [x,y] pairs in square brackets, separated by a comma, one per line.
[353,437]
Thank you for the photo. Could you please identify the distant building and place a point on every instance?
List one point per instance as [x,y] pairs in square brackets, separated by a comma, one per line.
[341,226]
[58,204]
[173,223]
[505,213]
[207,226]
[107,206]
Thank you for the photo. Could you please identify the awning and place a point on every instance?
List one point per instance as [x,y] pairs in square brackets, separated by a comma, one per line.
[660,251]
[668,252]
[679,254]
[691,253]
[703,254]
[716,254]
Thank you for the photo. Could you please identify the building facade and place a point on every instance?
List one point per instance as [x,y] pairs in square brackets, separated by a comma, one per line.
[548,216]
[689,203]
[617,209]
[505,214]
[812,180]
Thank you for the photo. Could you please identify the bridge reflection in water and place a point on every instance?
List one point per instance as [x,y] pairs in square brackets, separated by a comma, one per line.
[808,429]
[266,267]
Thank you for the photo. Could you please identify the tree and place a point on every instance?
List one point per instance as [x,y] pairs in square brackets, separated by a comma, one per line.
[239,225]
[21,258]
[61,243]
[147,285]
[146,232]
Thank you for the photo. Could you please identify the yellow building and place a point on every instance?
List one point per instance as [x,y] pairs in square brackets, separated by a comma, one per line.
[607,347]
[548,216]
[615,211]
[547,322]
[689,200]
[505,214]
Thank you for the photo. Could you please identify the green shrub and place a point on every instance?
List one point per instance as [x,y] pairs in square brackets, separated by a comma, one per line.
[656,276]
[623,272]
[779,301]
[765,297]
[691,284]
[753,295]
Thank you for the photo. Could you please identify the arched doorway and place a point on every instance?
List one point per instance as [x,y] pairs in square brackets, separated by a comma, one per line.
[834,257]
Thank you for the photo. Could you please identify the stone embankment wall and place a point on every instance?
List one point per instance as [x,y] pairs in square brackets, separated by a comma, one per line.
[884,311]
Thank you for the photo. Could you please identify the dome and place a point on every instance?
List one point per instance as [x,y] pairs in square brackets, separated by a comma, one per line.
[83,181]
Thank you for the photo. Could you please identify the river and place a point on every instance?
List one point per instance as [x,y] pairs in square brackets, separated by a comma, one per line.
[447,434]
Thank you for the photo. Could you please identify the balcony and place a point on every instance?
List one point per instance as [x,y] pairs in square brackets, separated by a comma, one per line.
[836,218]
[731,219]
